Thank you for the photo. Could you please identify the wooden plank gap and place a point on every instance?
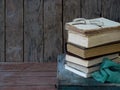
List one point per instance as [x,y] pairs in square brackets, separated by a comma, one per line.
[2,31]
[23,28]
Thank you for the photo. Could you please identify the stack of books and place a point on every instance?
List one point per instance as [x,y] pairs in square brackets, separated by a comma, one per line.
[89,41]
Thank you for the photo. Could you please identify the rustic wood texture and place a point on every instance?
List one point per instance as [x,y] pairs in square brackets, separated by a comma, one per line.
[52,29]
[33,30]
[27,67]
[91,8]
[111,9]
[2,31]
[59,27]
[28,88]
[14,30]
[71,10]
[23,76]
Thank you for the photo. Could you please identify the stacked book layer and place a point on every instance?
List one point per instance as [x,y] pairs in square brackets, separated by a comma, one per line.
[89,41]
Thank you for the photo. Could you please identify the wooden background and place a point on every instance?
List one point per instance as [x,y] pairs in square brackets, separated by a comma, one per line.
[33,30]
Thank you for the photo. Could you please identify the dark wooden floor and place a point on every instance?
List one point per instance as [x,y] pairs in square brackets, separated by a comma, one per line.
[27,76]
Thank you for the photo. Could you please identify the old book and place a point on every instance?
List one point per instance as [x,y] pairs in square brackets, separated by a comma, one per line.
[80,73]
[84,71]
[83,68]
[91,34]
[90,62]
[88,69]
[94,51]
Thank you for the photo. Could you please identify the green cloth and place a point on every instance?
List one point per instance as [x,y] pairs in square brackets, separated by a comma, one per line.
[109,72]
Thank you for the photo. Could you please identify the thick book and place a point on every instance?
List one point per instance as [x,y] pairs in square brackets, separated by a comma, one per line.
[91,34]
[84,71]
[90,62]
[83,68]
[94,51]
[88,69]
[80,73]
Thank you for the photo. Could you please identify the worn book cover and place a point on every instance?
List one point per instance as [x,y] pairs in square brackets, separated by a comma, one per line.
[93,32]
[90,62]
[94,51]
[93,26]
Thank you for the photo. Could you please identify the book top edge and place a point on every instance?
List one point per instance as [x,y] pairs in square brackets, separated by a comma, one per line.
[93,25]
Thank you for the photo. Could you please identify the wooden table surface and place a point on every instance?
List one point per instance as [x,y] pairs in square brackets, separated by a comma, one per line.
[27,76]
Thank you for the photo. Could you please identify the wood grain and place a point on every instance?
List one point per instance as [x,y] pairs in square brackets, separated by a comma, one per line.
[71,10]
[20,81]
[26,67]
[111,9]
[31,76]
[91,8]
[29,73]
[52,29]
[28,88]
[14,30]
[33,31]
[2,33]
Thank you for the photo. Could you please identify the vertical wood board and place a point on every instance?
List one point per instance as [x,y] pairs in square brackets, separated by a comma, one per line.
[91,8]
[111,9]
[52,29]
[33,30]
[14,30]
[2,59]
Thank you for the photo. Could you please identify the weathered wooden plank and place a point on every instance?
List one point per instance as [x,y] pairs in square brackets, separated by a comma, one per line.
[24,76]
[52,29]
[71,10]
[14,30]
[111,9]
[28,88]
[15,81]
[33,30]
[26,67]
[58,26]
[91,8]
[47,68]
[2,30]
[28,74]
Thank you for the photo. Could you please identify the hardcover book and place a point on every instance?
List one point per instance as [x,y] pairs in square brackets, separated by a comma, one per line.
[90,33]
[88,69]
[80,73]
[90,62]
[94,51]
[83,68]
[84,71]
